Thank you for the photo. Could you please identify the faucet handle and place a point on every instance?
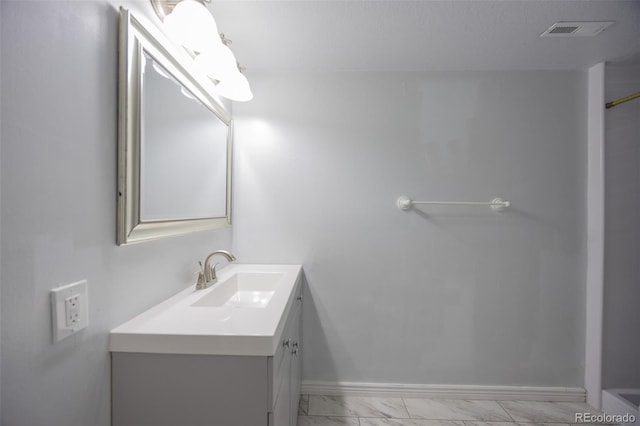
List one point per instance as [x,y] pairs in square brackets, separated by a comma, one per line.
[200,283]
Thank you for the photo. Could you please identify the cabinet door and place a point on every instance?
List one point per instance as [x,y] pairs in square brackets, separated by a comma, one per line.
[296,373]
[282,409]
[289,372]
[296,366]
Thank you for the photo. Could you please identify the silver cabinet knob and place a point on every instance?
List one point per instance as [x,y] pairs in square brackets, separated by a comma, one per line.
[286,343]
[296,344]
[294,351]
[300,298]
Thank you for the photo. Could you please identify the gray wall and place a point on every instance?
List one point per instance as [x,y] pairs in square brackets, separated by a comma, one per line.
[59,115]
[621,345]
[437,295]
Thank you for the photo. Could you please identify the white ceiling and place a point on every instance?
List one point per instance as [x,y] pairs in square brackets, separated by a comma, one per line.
[320,35]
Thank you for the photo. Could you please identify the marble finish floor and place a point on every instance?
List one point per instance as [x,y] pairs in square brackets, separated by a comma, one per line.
[321,410]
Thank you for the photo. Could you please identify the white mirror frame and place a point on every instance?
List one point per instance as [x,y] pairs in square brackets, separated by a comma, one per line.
[137,37]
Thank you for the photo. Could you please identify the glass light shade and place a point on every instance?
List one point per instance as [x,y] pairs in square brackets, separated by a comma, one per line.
[218,63]
[188,94]
[235,88]
[191,25]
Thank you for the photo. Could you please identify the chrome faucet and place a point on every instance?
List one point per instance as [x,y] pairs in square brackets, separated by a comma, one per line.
[209,276]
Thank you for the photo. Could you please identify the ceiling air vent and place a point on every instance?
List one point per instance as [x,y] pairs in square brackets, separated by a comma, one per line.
[563,29]
[576,29]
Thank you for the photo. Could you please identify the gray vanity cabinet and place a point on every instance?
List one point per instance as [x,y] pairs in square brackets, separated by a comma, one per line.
[211,390]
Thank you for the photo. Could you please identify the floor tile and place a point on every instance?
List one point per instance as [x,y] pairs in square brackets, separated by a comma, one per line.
[303,405]
[356,406]
[545,412]
[327,421]
[408,422]
[456,409]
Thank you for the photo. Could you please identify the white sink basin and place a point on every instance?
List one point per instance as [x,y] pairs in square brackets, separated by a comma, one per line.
[239,315]
[243,290]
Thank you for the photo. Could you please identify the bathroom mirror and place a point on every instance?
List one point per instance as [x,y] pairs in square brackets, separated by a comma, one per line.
[175,140]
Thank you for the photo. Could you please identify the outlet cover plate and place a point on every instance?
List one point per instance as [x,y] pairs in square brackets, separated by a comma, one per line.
[60,297]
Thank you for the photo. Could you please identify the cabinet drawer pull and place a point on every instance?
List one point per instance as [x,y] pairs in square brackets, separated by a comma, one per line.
[286,343]
[296,344]
[294,351]
[300,298]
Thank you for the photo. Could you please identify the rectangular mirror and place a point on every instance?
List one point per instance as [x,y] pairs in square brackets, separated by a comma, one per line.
[175,141]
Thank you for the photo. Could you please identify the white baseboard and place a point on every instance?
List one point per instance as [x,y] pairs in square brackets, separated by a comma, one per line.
[400,390]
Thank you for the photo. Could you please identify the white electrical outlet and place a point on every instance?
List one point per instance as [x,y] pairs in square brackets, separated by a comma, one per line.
[69,309]
[72,310]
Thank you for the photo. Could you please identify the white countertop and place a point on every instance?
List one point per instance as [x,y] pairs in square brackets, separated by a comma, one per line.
[175,326]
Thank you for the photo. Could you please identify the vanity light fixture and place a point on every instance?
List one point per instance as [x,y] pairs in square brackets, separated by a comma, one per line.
[189,23]
[219,63]
[235,88]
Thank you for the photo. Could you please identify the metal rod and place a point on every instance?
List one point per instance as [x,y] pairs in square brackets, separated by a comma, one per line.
[460,203]
[497,204]
[622,100]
